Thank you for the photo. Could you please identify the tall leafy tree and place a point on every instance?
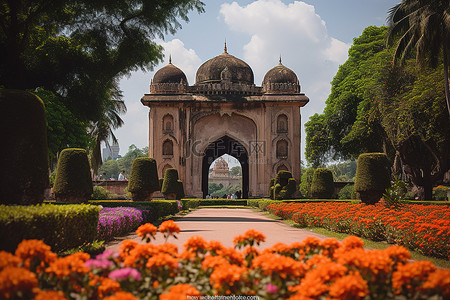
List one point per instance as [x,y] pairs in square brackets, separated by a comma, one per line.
[422,26]
[77,48]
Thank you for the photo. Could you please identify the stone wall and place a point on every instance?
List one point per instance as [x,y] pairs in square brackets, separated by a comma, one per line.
[113,186]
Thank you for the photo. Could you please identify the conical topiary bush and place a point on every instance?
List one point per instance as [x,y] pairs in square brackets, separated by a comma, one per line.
[143,179]
[170,184]
[283,186]
[322,186]
[73,183]
[25,151]
[180,190]
[373,176]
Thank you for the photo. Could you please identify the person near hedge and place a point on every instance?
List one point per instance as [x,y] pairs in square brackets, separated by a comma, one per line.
[122,176]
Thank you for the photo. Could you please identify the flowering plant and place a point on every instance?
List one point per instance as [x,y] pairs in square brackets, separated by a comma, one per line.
[310,269]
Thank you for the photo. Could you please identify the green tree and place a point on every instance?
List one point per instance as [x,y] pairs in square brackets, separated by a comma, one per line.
[306,182]
[79,48]
[111,168]
[236,171]
[126,161]
[64,130]
[422,26]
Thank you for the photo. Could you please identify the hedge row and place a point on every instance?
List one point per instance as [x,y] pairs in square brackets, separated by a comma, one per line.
[62,227]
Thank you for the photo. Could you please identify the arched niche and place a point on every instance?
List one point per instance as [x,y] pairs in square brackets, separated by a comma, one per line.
[282,149]
[168,123]
[282,123]
[167,148]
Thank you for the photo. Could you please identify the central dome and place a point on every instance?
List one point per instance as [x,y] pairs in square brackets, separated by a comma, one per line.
[224,67]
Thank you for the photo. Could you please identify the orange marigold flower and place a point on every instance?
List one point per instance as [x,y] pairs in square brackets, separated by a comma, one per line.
[398,253]
[8,260]
[187,255]
[250,251]
[126,246]
[121,296]
[169,227]
[329,246]
[226,274]
[139,255]
[14,280]
[316,260]
[238,239]
[214,246]
[438,283]
[352,242]
[272,263]
[279,248]
[233,256]
[367,262]
[107,286]
[411,275]
[213,262]
[180,291]
[349,287]
[311,243]
[52,295]
[35,252]
[147,231]
[196,243]
[68,265]
[162,260]
[168,248]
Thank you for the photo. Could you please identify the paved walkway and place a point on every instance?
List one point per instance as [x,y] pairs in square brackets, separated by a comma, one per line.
[223,224]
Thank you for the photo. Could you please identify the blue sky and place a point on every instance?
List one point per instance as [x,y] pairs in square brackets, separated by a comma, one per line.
[312,37]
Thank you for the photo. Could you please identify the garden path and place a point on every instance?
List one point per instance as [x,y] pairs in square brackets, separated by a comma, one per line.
[223,224]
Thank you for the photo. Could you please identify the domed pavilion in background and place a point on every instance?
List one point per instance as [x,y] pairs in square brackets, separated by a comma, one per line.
[224,112]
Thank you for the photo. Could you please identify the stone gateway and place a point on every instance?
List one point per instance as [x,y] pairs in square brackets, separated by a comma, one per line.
[224,112]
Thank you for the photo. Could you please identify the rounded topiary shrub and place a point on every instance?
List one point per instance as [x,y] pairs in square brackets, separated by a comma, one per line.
[373,176]
[276,192]
[170,184]
[180,190]
[143,179]
[73,183]
[271,184]
[322,186]
[283,177]
[25,152]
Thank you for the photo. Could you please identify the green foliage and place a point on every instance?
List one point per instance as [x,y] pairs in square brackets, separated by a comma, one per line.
[112,168]
[285,186]
[24,140]
[372,176]
[190,203]
[170,184]
[276,192]
[143,178]
[283,177]
[395,193]
[180,190]
[225,190]
[78,49]
[73,181]
[440,193]
[345,171]
[64,129]
[305,185]
[236,171]
[322,184]
[214,187]
[347,192]
[100,194]
[160,181]
[62,227]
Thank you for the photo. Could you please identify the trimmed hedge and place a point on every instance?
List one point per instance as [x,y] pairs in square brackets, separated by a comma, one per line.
[170,184]
[62,227]
[284,186]
[189,203]
[283,177]
[322,184]
[143,179]
[373,176]
[73,181]
[25,151]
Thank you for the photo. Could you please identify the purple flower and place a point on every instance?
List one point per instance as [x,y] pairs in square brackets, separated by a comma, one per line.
[271,288]
[125,273]
[99,263]
[107,254]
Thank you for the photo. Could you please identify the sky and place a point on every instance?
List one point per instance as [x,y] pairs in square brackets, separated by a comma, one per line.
[312,37]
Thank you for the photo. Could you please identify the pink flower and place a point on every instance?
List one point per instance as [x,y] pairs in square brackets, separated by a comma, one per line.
[99,263]
[271,288]
[125,273]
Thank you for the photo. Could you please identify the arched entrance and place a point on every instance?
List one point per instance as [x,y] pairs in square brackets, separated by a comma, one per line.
[225,145]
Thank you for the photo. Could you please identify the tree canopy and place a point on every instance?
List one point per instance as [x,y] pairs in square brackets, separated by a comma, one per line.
[78,48]
[377,106]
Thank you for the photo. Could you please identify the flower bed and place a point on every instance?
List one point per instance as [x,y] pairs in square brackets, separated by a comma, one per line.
[311,269]
[425,228]
[117,221]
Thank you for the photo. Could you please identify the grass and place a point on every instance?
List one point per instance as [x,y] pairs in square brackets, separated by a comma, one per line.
[369,244]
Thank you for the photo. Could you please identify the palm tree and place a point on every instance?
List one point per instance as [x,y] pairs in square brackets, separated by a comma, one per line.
[423,26]
[103,129]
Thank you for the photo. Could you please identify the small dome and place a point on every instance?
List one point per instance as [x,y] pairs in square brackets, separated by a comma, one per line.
[280,78]
[169,74]
[224,67]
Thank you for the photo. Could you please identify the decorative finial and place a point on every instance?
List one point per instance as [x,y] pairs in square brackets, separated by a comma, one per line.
[225,47]
[280,60]
[170,59]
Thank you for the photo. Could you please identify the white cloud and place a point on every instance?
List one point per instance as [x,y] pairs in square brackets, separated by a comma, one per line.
[297,33]
[135,128]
